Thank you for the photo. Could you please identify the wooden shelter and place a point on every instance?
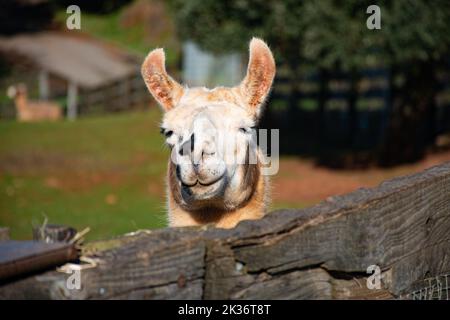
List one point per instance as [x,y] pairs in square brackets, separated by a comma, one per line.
[85,64]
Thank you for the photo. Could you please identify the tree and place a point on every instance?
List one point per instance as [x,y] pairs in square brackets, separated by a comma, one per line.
[25,16]
[99,7]
[417,46]
[413,43]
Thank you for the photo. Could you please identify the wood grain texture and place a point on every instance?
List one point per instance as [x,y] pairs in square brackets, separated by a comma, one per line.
[146,265]
[323,252]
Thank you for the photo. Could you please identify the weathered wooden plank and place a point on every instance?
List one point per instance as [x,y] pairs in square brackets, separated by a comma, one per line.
[146,265]
[432,261]
[402,226]
[391,226]
[37,287]
[307,284]
[356,289]
[192,290]
[223,273]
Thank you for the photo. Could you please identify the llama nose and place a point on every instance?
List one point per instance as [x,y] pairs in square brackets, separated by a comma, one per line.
[197,149]
[187,147]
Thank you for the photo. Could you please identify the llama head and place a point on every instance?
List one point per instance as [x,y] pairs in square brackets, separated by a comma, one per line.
[11,92]
[210,132]
[17,90]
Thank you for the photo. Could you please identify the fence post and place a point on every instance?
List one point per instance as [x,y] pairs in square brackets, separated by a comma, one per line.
[44,88]
[72,97]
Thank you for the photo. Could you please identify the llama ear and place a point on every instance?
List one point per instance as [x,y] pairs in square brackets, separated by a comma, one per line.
[11,92]
[164,89]
[260,73]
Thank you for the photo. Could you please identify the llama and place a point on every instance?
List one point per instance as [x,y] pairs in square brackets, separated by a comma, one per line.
[32,110]
[202,186]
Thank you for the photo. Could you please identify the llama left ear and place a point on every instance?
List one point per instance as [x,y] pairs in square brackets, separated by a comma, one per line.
[260,73]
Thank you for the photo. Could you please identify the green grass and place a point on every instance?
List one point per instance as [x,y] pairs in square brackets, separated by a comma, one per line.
[66,171]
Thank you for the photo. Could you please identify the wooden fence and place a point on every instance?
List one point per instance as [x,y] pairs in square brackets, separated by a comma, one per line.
[124,94]
[323,118]
[401,227]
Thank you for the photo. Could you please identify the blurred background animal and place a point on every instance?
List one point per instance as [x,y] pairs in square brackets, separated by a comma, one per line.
[32,110]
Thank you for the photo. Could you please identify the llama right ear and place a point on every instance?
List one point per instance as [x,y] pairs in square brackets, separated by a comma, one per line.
[164,89]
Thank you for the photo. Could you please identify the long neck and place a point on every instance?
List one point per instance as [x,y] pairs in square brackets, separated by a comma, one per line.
[252,208]
[21,101]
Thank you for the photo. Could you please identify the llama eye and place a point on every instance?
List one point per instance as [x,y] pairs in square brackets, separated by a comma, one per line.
[166,133]
[247,130]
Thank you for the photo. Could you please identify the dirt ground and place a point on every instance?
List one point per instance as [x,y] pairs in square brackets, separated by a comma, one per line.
[300,180]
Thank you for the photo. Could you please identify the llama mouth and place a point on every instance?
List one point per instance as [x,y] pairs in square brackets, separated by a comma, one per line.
[201,191]
[190,185]
[198,183]
[208,184]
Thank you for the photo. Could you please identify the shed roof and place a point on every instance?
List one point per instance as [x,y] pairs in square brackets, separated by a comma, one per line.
[89,63]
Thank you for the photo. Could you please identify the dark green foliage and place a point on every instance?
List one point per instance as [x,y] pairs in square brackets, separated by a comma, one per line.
[93,6]
[24,16]
[327,32]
